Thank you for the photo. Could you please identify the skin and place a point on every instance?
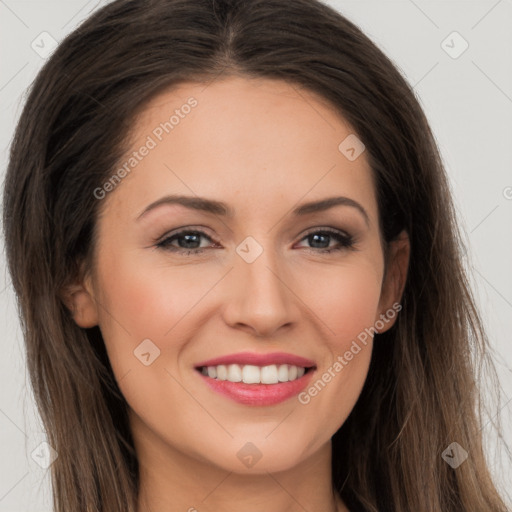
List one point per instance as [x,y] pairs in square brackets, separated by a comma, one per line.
[263,147]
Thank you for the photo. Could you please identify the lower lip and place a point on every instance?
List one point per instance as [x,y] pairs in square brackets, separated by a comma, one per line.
[258,394]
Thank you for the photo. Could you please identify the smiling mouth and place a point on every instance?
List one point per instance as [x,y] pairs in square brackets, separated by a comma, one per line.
[252,374]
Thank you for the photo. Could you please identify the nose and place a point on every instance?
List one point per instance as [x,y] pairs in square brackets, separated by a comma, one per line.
[260,300]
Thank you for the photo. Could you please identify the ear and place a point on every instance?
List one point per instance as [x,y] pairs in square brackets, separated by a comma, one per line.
[393,283]
[79,299]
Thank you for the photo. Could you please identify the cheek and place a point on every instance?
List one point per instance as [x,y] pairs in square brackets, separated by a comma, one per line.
[147,302]
[138,304]
[345,299]
[347,303]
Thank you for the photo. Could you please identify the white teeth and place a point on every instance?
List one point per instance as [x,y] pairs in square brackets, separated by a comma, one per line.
[234,373]
[283,373]
[222,372]
[269,374]
[250,374]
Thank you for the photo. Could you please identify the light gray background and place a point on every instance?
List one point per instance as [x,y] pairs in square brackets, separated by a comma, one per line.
[468,101]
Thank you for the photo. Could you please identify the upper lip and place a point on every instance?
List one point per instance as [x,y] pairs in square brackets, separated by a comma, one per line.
[256,359]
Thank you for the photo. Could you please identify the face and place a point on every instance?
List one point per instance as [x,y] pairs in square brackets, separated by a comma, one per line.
[259,287]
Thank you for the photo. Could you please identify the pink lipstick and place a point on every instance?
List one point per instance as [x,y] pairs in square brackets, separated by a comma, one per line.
[250,378]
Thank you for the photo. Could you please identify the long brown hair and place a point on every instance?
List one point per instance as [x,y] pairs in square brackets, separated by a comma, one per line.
[422,389]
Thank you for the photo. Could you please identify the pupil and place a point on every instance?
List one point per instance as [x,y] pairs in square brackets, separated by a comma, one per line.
[189,239]
[314,239]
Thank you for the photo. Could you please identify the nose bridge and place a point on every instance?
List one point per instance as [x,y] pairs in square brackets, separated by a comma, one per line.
[260,298]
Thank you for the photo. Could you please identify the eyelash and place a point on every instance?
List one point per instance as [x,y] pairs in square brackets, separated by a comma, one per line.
[345,241]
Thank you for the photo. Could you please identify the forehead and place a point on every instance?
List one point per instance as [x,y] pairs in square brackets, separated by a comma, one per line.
[252,139]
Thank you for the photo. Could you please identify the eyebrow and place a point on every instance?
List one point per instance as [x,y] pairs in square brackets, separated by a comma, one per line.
[219,208]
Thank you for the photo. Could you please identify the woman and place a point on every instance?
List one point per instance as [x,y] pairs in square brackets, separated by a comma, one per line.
[259,369]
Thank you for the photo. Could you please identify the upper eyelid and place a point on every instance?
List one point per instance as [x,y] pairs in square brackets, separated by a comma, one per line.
[327,229]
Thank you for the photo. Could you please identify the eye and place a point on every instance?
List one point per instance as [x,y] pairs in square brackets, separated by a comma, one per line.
[321,238]
[188,241]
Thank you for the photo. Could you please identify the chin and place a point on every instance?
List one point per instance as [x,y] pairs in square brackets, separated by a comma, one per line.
[257,455]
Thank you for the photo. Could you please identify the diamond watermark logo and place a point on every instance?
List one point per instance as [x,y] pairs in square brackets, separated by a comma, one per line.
[147,352]
[249,455]
[454,45]
[351,147]
[454,455]
[249,250]
[44,44]
[44,455]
